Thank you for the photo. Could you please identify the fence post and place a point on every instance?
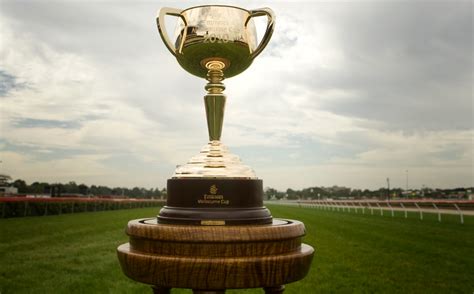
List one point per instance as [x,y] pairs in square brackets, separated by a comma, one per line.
[363,208]
[381,211]
[437,209]
[391,208]
[421,211]
[460,213]
[25,213]
[403,206]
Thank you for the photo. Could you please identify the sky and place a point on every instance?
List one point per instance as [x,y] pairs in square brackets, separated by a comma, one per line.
[346,93]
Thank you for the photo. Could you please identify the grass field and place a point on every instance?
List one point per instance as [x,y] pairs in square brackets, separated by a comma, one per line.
[355,253]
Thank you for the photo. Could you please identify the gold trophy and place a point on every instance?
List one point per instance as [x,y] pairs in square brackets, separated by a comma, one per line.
[214,232]
[214,187]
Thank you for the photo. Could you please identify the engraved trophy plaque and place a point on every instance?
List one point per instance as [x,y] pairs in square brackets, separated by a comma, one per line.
[214,187]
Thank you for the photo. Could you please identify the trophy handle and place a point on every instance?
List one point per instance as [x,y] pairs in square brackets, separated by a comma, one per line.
[160,21]
[270,25]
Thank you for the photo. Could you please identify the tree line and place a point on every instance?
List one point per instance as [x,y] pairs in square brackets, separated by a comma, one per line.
[336,192]
[72,188]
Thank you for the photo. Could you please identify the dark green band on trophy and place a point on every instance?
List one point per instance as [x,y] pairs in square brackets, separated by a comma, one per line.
[213,193]
[224,201]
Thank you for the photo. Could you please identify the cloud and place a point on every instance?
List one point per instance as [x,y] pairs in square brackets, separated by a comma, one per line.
[410,64]
[70,114]
[44,123]
[343,94]
[9,83]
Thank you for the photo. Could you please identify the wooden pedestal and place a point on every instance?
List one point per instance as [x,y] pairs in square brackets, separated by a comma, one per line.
[210,259]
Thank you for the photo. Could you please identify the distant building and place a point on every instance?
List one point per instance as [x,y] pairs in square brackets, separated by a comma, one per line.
[4,191]
[5,187]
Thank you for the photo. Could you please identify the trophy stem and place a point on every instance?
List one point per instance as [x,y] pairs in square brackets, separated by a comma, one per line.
[215,100]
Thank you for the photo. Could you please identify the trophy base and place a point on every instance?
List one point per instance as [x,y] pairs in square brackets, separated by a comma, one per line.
[212,259]
[216,201]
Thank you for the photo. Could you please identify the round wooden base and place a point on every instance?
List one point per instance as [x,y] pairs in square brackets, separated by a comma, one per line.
[215,258]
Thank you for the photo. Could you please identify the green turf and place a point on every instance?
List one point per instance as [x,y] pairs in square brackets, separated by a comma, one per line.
[355,253]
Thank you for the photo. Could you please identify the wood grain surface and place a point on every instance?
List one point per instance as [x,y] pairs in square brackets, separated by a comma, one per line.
[215,257]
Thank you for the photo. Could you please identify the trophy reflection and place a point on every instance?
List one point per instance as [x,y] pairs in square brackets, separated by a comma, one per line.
[214,187]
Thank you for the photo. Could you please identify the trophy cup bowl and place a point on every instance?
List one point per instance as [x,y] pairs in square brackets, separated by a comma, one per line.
[211,32]
[214,187]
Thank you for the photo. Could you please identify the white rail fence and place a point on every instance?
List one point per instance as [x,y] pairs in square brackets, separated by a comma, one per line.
[439,207]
